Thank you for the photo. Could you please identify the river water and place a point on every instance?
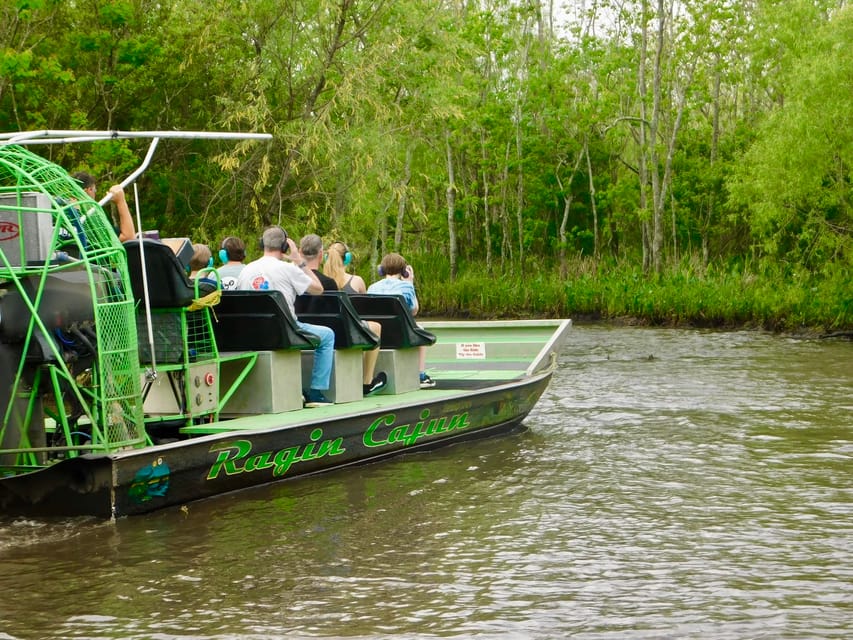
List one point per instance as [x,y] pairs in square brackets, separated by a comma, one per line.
[671,484]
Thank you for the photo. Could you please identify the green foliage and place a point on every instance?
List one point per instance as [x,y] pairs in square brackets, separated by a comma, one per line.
[795,180]
[372,104]
[685,294]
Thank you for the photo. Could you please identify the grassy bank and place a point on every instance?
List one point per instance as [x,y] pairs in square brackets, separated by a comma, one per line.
[683,295]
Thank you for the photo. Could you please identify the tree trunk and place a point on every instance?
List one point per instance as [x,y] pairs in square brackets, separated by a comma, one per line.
[715,141]
[451,206]
[657,189]
[567,205]
[642,170]
[595,250]
[487,212]
[506,242]
[401,203]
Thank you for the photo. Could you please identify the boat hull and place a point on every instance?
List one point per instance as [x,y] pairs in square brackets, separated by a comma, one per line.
[174,474]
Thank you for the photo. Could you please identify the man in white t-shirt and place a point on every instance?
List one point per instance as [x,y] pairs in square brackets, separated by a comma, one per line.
[293,278]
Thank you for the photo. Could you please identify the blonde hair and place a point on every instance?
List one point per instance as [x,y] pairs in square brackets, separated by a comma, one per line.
[334,264]
[201,257]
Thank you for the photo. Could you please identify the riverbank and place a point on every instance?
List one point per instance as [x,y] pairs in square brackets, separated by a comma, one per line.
[795,302]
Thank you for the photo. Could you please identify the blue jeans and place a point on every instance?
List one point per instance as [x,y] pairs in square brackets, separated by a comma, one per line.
[324,355]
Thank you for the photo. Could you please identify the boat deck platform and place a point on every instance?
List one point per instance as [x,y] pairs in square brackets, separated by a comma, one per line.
[459,362]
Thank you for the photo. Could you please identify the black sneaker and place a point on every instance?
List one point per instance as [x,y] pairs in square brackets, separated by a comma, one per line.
[316,398]
[427,382]
[379,381]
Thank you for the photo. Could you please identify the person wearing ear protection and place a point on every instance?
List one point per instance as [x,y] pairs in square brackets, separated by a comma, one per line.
[283,268]
[399,280]
[201,262]
[232,252]
[337,260]
[335,266]
[311,249]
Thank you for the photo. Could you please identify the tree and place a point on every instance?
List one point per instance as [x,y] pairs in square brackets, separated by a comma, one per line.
[799,198]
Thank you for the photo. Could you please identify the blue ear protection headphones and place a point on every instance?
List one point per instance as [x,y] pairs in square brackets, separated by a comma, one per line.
[223,254]
[209,265]
[346,258]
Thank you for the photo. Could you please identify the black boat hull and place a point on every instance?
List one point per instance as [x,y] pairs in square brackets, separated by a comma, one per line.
[174,474]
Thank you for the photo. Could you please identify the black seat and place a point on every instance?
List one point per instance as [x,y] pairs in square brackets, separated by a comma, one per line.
[168,284]
[333,309]
[399,329]
[258,321]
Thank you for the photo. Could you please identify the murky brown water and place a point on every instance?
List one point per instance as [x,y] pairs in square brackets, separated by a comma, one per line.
[672,484]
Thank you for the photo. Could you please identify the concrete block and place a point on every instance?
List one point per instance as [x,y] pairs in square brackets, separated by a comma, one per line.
[347,373]
[274,385]
[401,367]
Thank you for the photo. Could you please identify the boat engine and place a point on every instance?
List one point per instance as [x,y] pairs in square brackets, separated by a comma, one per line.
[66,312]
[64,308]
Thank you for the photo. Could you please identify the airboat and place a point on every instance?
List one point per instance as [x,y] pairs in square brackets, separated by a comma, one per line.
[125,389]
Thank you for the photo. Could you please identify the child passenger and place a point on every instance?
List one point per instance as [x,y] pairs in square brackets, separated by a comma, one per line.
[399,280]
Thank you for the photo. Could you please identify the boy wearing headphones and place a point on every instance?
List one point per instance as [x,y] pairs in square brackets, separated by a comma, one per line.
[282,268]
[399,279]
[232,252]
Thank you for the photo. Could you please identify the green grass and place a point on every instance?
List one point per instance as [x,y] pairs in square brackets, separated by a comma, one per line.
[685,294]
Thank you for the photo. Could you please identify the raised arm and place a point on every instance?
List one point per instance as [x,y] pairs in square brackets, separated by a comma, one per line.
[126,229]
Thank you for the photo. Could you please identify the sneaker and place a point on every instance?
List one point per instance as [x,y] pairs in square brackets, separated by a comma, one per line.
[426,381]
[316,398]
[379,381]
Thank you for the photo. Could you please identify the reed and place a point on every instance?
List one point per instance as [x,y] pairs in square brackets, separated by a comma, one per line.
[686,293]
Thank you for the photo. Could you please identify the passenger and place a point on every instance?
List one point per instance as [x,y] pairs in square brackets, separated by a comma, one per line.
[337,260]
[232,253]
[293,278]
[125,228]
[399,280]
[311,248]
[334,266]
[201,264]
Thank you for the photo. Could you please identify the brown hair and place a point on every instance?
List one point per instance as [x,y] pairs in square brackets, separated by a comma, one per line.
[393,264]
[235,248]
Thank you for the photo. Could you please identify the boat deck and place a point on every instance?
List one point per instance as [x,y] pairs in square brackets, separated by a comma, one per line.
[446,387]
[462,360]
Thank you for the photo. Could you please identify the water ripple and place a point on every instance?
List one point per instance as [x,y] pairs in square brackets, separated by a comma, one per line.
[671,484]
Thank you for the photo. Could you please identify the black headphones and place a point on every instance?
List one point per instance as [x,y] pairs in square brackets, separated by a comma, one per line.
[284,248]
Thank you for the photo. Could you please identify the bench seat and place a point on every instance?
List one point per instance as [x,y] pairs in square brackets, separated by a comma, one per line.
[258,321]
[400,341]
[399,329]
[332,309]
